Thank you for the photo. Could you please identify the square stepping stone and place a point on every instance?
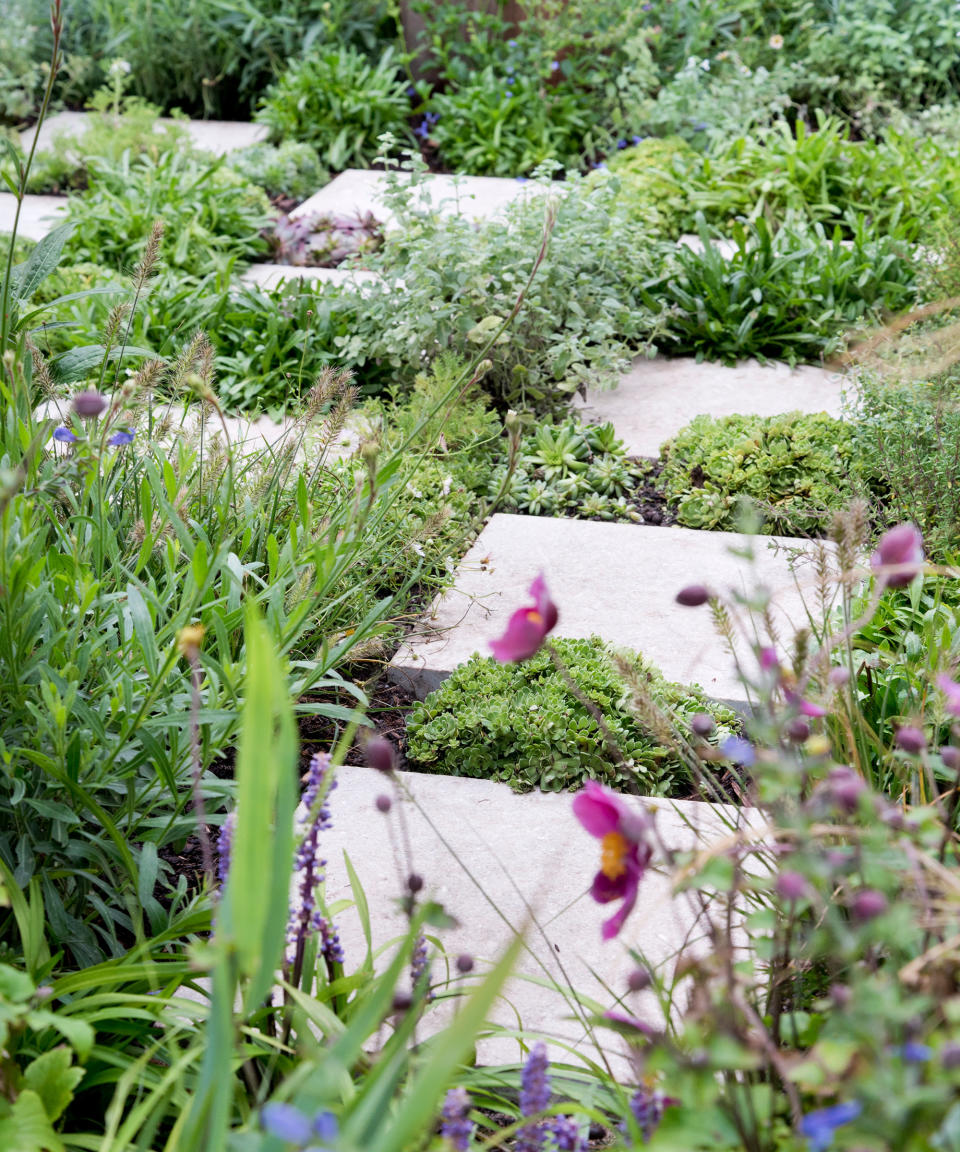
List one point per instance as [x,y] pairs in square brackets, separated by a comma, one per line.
[38,216]
[270,276]
[358,191]
[216,136]
[616,581]
[502,863]
[659,397]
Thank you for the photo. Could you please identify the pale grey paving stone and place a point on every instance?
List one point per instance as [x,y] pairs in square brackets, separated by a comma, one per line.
[358,191]
[269,276]
[695,244]
[217,136]
[39,215]
[657,398]
[496,861]
[617,581]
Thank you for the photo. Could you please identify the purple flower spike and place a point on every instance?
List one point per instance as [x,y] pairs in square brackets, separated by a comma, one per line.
[534,1098]
[305,917]
[63,435]
[902,550]
[647,1109]
[121,439]
[819,1127]
[566,1134]
[528,627]
[456,1125]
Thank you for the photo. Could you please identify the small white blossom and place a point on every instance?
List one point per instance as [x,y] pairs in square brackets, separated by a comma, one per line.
[120,68]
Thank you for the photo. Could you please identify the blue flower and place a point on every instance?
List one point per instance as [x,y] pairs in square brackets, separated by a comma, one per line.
[289,1124]
[621,144]
[120,439]
[915,1053]
[511,79]
[511,43]
[422,130]
[63,435]
[701,126]
[507,94]
[636,139]
[411,91]
[432,117]
[598,164]
[819,1127]
[554,65]
[739,751]
[521,179]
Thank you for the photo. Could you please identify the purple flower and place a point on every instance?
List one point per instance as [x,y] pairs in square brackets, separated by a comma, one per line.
[521,179]
[819,1127]
[566,1133]
[738,750]
[693,595]
[423,129]
[624,850]
[621,144]
[900,549]
[286,1123]
[63,435]
[308,869]
[868,904]
[88,404]
[511,80]
[948,687]
[411,91]
[456,1125]
[701,126]
[527,628]
[534,1098]
[636,139]
[598,164]
[791,886]
[913,1052]
[120,439]
[647,1109]
[507,94]
[225,847]
[911,739]
[844,787]
[554,65]
[420,969]
[511,43]
[702,723]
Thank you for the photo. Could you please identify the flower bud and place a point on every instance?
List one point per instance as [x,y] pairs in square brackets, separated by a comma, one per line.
[839,676]
[950,755]
[384,803]
[791,886]
[414,882]
[911,739]
[464,963]
[845,787]
[901,549]
[88,404]
[379,754]
[401,1001]
[868,904]
[950,1056]
[702,723]
[638,979]
[798,730]
[512,422]
[841,995]
[693,596]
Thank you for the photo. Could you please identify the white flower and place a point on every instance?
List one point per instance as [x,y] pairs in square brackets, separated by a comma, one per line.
[776,42]
[120,68]
[418,548]
[447,485]
[705,65]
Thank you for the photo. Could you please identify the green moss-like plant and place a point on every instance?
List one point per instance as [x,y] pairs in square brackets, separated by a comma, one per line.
[793,467]
[520,723]
[652,182]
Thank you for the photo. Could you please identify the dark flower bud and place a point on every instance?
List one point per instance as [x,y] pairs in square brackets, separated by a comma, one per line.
[693,596]
[464,963]
[846,787]
[868,904]
[638,979]
[798,730]
[791,886]
[841,995]
[950,756]
[401,1001]
[950,1056]
[702,723]
[379,754]
[414,882]
[88,404]
[384,803]
[911,739]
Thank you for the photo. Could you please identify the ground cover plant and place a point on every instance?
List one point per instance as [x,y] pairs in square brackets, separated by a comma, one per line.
[523,723]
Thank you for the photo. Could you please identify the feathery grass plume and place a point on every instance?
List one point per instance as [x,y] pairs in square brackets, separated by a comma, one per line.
[300,589]
[41,370]
[141,387]
[801,651]
[148,261]
[187,361]
[115,319]
[935,351]
[643,705]
[161,528]
[849,532]
[328,384]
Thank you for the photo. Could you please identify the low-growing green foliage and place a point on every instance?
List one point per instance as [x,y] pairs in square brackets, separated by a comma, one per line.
[290,170]
[521,723]
[569,469]
[339,103]
[789,295]
[653,177]
[794,468]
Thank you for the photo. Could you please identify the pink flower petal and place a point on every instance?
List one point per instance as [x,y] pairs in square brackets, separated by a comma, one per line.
[522,639]
[951,690]
[611,927]
[597,810]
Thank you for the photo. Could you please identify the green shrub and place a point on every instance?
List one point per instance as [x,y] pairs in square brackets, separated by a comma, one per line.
[793,467]
[289,170]
[21,77]
[340,104]
[653,178]
[789,295]
[213,217]
[569,469]
[520,723]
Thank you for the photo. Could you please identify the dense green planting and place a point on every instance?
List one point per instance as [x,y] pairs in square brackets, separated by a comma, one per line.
[523,724]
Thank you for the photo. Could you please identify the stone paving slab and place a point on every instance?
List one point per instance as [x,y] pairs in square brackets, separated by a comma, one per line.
[617,581]
[269,276]
[358,191]
[38,216]
[515,856]
[657,398]
[217,136]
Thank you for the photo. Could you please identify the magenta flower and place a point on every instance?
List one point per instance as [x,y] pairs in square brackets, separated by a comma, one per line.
[900,549]
[624,850]
[528,627]
[951,690]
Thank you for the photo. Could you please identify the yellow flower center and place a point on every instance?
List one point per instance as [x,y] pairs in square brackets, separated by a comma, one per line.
[534,616]
[613,855]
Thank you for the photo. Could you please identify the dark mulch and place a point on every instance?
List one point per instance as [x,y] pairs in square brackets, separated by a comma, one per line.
[648,498]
